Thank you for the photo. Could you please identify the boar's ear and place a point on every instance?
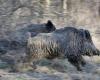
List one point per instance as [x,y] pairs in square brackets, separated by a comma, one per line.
[87,35]
[49,25]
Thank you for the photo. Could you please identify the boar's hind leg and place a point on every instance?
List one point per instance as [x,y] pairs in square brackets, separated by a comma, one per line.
[29,62]
[75,60]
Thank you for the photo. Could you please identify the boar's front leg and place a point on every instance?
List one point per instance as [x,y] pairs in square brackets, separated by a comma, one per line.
[76,61]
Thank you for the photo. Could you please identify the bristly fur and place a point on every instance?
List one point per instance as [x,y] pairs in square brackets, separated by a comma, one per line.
[66,42]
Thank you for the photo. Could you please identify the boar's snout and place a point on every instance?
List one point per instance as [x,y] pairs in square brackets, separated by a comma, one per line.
[97,52]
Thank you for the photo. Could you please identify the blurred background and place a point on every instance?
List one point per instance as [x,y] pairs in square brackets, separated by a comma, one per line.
[16,14]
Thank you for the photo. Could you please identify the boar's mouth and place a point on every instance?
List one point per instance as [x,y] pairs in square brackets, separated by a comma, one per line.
[92,53]
[97,52]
